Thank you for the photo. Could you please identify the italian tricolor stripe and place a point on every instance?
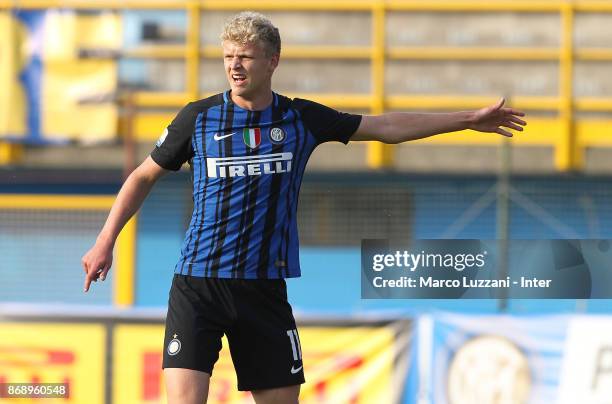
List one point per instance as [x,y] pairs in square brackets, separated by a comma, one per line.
[252,137]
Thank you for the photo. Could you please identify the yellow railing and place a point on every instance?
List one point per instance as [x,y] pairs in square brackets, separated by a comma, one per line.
[124,267]
[568,137]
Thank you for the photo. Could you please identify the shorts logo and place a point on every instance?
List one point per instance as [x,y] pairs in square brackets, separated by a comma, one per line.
[252,137]
[162,138]
[277,135]
[296,349]
[174,346]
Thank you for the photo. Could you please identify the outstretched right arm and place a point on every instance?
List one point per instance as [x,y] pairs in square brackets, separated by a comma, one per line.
[97,261]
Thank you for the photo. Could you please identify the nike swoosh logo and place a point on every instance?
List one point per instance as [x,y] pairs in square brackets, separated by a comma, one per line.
[217,137]
[294,371]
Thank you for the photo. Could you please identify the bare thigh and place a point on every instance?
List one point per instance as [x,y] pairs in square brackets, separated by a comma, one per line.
[186,386]
[280,395]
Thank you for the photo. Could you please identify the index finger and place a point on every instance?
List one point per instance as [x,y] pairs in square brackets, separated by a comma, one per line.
[87,283]
[514,112]
[91,276]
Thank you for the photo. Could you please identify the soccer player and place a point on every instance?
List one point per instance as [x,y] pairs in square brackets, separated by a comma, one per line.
[248,148]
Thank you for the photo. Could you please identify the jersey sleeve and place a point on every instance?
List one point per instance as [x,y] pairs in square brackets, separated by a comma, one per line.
[174,147]
[326,124]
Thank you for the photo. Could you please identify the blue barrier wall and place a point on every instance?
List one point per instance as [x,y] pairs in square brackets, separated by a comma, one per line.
[440,207]
[41,250]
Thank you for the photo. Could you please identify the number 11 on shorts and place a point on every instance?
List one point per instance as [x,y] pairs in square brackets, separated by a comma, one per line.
[295,344]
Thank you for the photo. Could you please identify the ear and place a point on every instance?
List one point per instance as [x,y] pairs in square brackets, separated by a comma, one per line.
[274,59]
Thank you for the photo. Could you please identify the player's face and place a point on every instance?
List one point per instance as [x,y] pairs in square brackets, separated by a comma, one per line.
[248,68]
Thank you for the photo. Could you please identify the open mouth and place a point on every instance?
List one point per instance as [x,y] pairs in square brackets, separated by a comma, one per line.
[238,78]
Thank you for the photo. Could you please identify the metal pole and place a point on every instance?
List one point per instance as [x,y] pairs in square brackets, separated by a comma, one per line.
[503,217]
[129,146]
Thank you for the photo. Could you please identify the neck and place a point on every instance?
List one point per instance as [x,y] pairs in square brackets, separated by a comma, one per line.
[257,102]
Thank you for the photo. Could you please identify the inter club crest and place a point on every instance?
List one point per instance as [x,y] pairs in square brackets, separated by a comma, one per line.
[252,137]
[277,135]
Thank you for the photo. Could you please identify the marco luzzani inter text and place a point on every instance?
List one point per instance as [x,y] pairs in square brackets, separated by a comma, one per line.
[406,261]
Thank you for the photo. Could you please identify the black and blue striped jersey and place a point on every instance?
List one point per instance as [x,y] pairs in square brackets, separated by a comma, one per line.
[247,169]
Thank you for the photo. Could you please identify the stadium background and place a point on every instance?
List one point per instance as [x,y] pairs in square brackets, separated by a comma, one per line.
[87,88]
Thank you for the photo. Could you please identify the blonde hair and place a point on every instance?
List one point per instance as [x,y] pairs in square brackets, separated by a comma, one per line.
[249,27]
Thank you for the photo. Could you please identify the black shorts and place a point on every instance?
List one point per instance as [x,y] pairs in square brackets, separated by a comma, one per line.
[253,313]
